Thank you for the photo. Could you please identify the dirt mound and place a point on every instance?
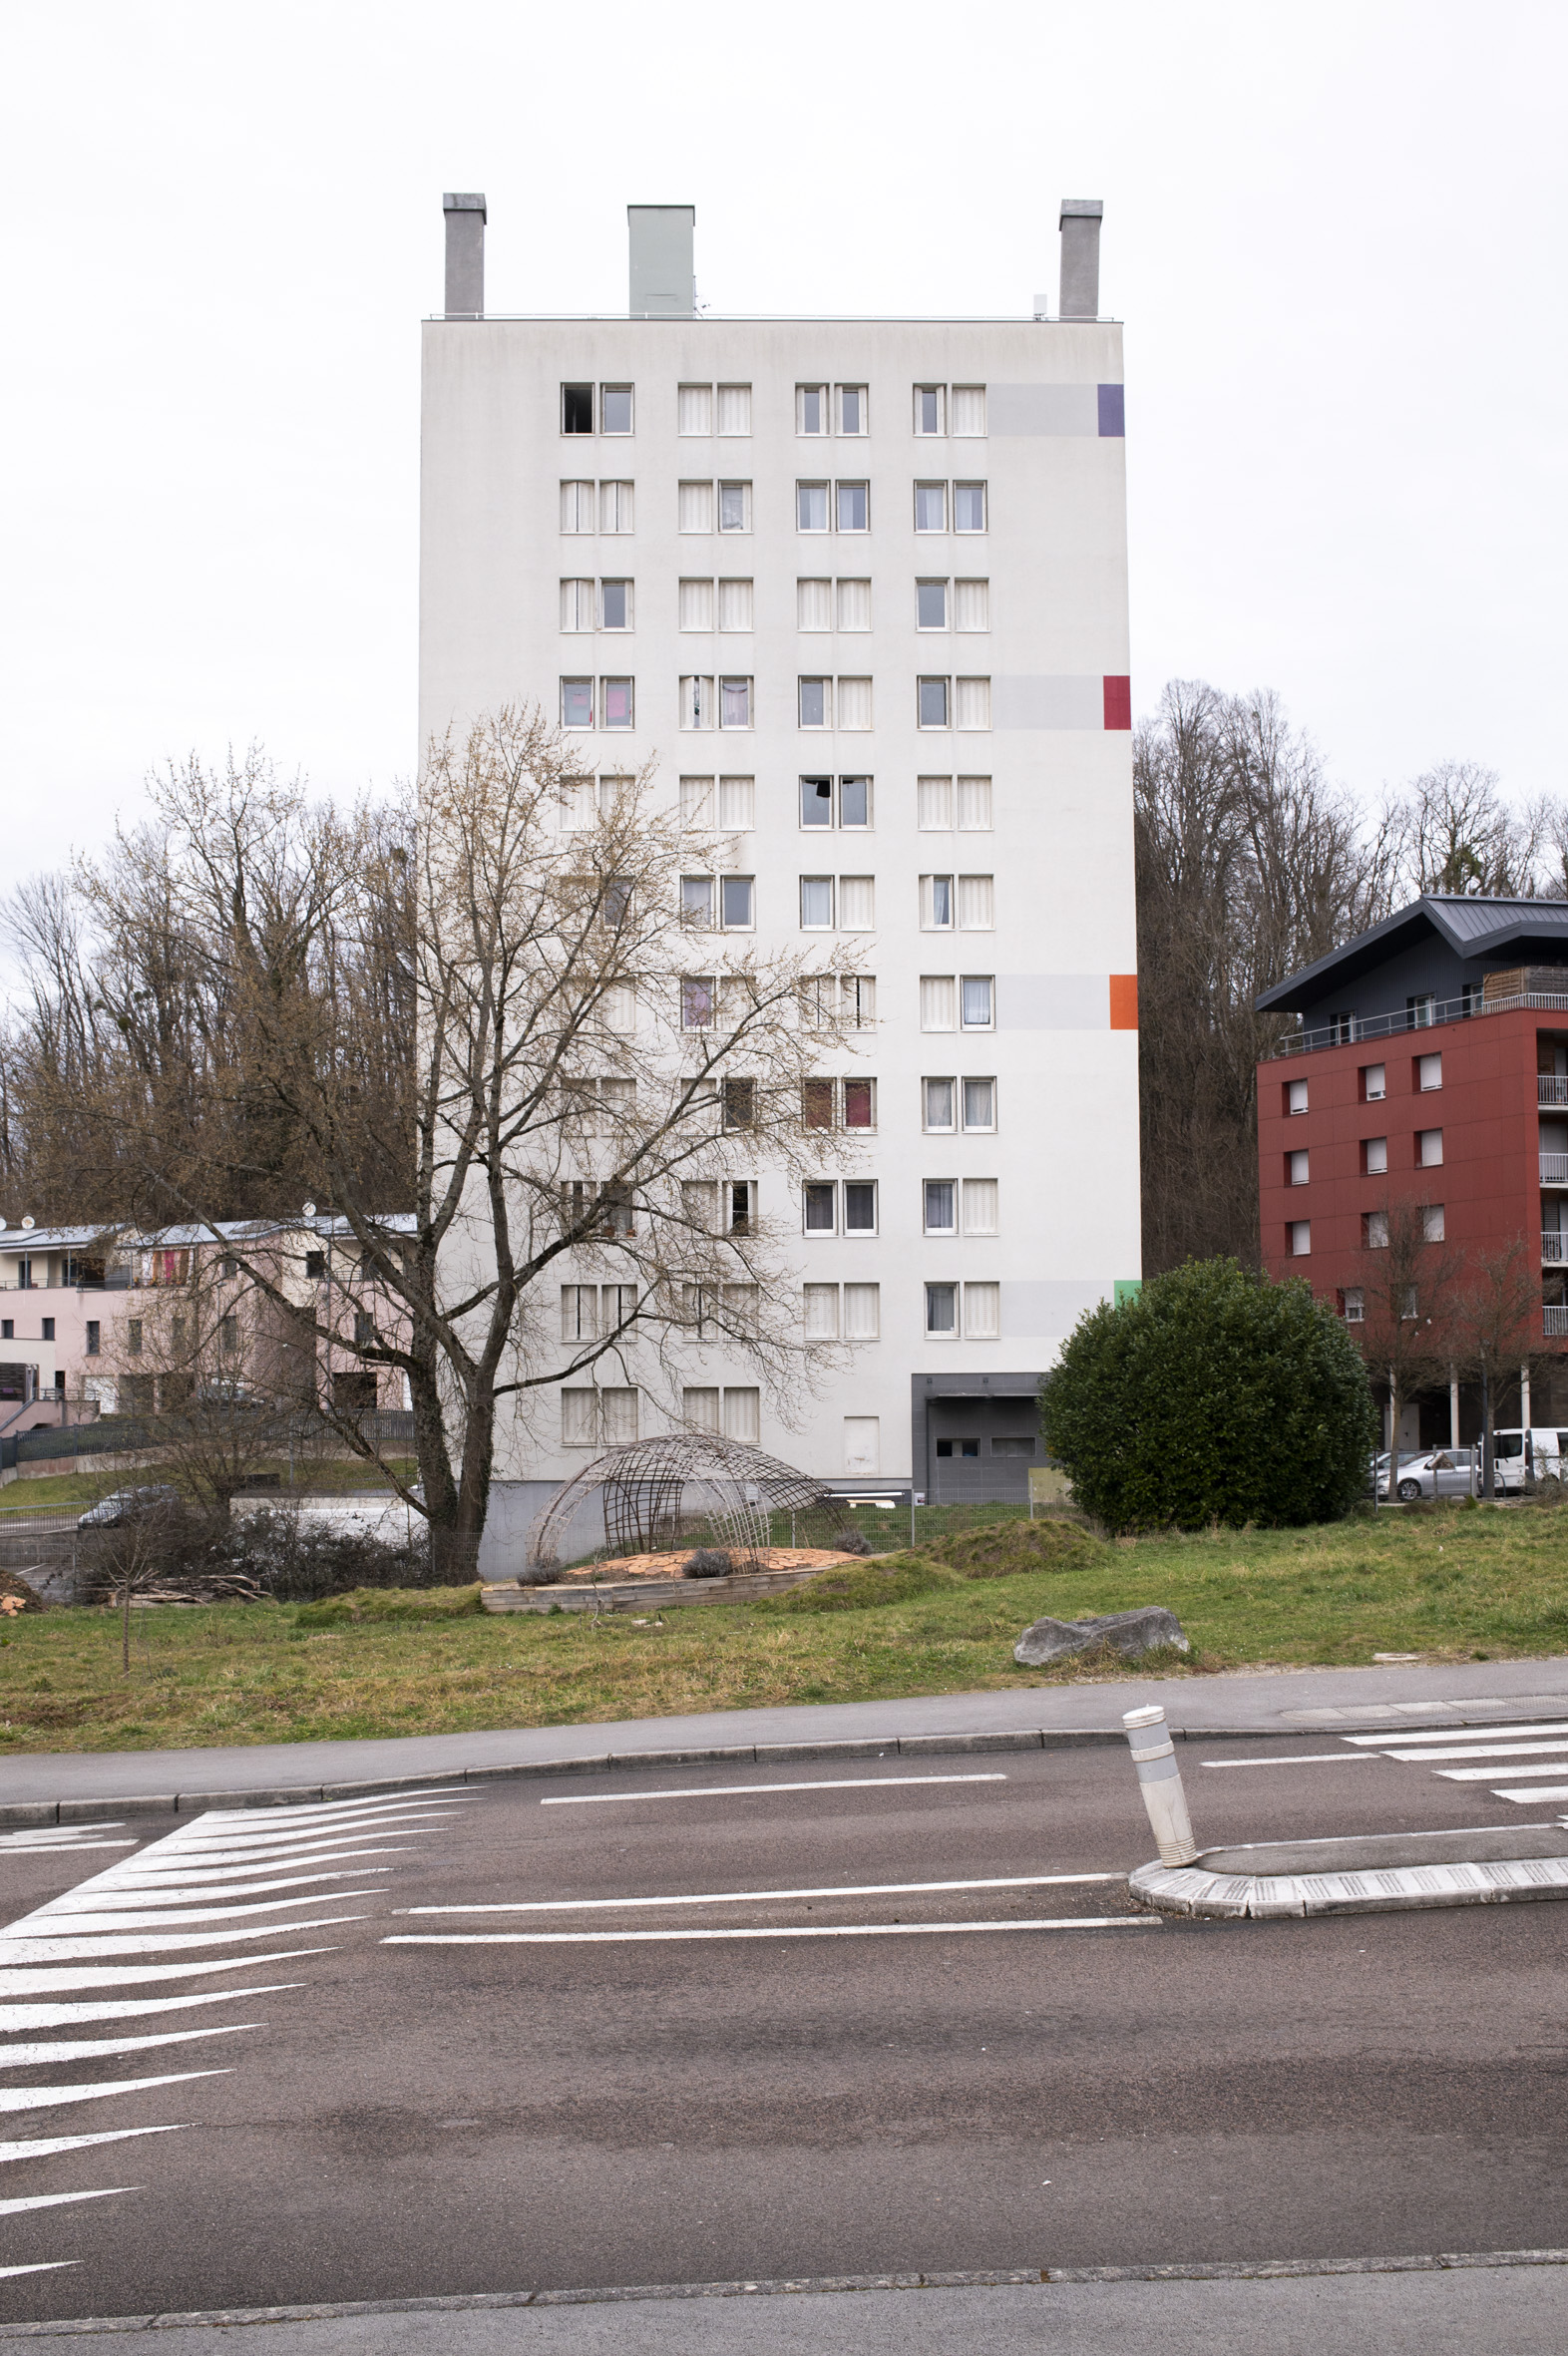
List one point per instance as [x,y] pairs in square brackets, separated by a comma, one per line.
[862,1585]
[1002,1549]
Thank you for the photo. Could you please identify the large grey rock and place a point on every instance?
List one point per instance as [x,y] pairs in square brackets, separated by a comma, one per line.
[1125,1632]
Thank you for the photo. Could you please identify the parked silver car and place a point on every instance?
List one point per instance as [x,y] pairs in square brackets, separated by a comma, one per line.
[126,1506]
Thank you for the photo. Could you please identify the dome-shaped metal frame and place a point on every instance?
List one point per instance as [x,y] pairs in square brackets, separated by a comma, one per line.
[652,1490]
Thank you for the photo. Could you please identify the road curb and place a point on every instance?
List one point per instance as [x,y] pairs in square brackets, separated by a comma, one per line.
[617,1762]
[1238,2270]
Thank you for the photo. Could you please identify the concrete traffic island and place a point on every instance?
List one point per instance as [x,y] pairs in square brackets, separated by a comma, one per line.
[1377,1873]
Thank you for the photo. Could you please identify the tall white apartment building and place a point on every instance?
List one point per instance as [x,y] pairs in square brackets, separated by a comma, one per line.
[860,586]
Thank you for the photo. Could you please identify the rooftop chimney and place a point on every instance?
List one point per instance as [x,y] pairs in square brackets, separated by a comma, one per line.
[662,284]
[465,256]
[1080,256]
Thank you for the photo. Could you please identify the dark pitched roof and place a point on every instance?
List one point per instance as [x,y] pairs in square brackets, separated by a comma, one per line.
[1525,931]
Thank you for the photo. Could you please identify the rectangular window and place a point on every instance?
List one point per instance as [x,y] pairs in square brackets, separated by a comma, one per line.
[738,1109]
[615,703]
[973,704]
[735,409]
[1419,1011]
[931,507]
[696,802]
[1295,1172]
[931,401]
[972,605]
[618,1417]
[1299,1238]
[813,605]
[734,507]
[860,1104]
[696,507]
[969,507]
[699,1408]
[697,702]
[938,1098]
[1428,1072]
[1294,1096]
[1355,1304]
[1342,1029]
[1374,1231]
[932,703]
[734,604]
[578,1313]
[577,408]
[857,904]
[977,904]
[855,801]
[736,903]
[811,507]
[577,703]
[743,1416]
[974,805]
[977,998]
[854,507]
[816,904]
[983,1312]
[737,811]
[981,1203]
[697,992]
[811,409]
[94,1336]
[695,605]
[980,1104]
[614,404]
[577,506]
[860,1206]
[937,1003]
[577,606]
[816,801]
[700,1204]
[931,605]
[822,1312]
[936,903]
[735,703]
[854,704]
[614,604]
[1375,1156]
[819,1201]
[697,902]
[694,409]
[1374,1083]
[941,1212]
[816,1103]
[133,1336]
[615,507]
[862,1313]
[579,1419]
[933,804]
[854,604]
[1429,1149]
[968,410]
[617,1008]
[853,414]
[741,1194]
[1432,1224]
[816,703]
[942,1312]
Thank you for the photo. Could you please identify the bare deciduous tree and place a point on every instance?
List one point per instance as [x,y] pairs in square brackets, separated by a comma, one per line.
[1409,1292]
[1497,1331]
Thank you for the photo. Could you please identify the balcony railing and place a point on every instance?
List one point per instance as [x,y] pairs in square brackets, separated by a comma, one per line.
[1550,1088]
[1554,1169]
[1351,1028]
[1556,1315]
[1554,1248]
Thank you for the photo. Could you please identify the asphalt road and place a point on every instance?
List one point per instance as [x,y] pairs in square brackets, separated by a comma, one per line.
[556,2092]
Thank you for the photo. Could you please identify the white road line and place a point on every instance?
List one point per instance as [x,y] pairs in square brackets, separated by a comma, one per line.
[1490,1775]
[45,2267]
[312,1811]
[45,2146]
[147,1873]
[862,1889]
[13,2209]
[1299,1758]
[574,1800]
[855,1930]
[1557,1750]
[46,2097]
[1533,1792]
[72,2049]
[1457,1733]
[82,1924]
[47,1848]
[30,1950]
[15,2018]
[100,1896]
[51,1982]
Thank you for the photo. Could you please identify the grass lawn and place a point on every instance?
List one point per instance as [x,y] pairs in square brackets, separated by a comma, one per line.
[1451,1584]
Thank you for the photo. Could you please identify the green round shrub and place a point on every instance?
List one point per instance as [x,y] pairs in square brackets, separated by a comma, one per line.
[1211,1394]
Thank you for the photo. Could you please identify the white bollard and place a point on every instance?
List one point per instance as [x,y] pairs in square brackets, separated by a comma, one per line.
[1155,1756]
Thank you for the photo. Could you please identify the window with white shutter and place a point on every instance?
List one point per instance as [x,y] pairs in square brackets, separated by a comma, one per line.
[862,1313]
[972,605]
[735,409]
[695,506]
[968,409]
[615,507]
[696,404]
[737,808]
[980,1206]
[697,702]
[857,904]
[933,804]
[854,598]
[854,704]
[972,699]
[983,1312]
[742,1415]
[696,800]
[977,904]
[822,1312]
[813,605]
[696,604]
[974,805]
[699,1408]
[734,604]
[579,1419]
[577,506]
[577,606]
[619,1417]
[937,1003]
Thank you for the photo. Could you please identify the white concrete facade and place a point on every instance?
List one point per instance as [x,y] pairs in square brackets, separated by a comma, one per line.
[1041,902]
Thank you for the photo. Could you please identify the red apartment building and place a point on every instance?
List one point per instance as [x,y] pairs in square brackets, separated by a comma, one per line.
[1431,1065]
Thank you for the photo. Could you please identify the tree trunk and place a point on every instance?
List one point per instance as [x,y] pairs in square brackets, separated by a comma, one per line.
[1395,1401]
[1488,1455]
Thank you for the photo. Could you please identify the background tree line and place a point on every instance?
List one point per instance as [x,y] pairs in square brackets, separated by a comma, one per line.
[1251,863]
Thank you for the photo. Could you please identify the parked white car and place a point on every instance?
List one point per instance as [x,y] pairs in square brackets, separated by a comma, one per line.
[1543,1459]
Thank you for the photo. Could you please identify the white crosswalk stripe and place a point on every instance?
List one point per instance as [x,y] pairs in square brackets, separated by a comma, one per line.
[214,1883]
[1499,1755]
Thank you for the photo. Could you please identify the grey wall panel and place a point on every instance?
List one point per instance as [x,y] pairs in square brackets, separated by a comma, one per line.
[1044,409]
[1048,1310]
[1038,700]
[1052,1001]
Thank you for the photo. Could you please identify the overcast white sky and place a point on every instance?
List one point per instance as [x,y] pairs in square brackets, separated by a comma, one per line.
[1335,233]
